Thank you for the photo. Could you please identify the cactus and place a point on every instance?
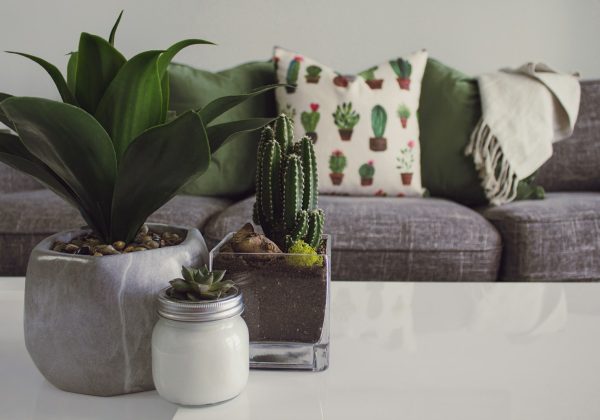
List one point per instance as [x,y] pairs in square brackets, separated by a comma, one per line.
[286,187]
[310,120]
[404,114]
[378,120]
[403,70]
[313,74]
[200,284]
[368,74]
[367,170]
[292,74]
[337,162]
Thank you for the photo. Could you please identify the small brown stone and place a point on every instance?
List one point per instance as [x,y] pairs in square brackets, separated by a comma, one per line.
[129,248]
[59,246]
[71,248]
[119,245]
[151,244]
[139,248]
[97,254]
[107,250]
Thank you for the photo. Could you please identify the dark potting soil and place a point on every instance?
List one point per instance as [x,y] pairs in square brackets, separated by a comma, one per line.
[284,303]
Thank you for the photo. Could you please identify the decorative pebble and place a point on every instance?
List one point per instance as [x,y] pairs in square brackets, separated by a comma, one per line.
[71,248]
[119,245]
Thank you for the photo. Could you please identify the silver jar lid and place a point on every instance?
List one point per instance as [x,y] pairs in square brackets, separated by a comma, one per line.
[206,310]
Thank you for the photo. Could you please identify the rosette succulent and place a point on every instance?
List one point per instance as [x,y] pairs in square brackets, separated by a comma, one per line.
[111,148]
[199,284]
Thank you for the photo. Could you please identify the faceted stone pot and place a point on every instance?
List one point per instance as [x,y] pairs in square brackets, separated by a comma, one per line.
[89,320]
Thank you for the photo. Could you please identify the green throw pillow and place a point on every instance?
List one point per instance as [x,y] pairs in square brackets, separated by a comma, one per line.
[449,109]
[232,169]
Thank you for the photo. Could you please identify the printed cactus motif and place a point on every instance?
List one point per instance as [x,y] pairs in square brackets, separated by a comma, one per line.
[292,74]
[406,160]
[403,70]
[286,187]
[345,118]
[378,143]
[370,79]
[337,164]
[366,172]
[310,120]
[313,74]
[404,114]
[340,80]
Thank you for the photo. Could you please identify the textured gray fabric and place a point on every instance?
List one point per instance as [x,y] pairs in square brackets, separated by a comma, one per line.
[395,238]
[575,164]
[553,239]
[28,217]
[13,181]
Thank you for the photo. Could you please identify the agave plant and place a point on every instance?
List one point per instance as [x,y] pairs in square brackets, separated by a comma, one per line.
[199,284]
[109,148]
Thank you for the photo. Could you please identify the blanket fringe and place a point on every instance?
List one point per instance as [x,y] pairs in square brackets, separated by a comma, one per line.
[498,179]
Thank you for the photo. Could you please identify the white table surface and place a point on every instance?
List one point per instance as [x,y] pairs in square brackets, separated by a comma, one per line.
[398,351]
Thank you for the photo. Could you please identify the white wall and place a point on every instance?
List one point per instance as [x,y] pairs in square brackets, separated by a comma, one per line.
[474,36]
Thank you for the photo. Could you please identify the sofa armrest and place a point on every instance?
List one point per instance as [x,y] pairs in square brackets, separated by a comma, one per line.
[12,180]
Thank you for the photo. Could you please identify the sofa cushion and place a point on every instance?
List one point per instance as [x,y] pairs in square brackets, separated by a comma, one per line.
[12,180]
[554,239]
[395,238]
[28,217]
[574,166]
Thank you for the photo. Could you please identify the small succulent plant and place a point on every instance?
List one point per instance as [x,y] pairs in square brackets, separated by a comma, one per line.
[200,284]
[368,74]
[345,117]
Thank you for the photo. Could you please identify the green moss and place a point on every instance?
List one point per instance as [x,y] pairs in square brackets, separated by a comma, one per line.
[308,257]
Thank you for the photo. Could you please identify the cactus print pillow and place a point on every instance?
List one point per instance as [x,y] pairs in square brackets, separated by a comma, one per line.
[364,127]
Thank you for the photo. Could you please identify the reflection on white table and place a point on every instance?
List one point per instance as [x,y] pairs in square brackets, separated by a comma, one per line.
[399,350]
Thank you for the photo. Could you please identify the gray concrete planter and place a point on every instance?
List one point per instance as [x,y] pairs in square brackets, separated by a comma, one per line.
[89,320]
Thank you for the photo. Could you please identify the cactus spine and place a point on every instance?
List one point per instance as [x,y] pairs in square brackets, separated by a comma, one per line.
[286,196]
[378,120]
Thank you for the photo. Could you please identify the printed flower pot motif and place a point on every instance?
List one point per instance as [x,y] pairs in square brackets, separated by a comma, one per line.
[406,178]
[345,118]
[292,74]
[366,172]
[370,79]
[345,134]
[340,81]
[313,74]
[380,193]
[403,70]
[378,143]
[276,62]
[337,164]
[406,160]
[336,179]
[310,120]
[404,114]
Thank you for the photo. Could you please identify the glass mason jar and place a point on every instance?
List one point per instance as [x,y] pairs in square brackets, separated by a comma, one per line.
[200,350]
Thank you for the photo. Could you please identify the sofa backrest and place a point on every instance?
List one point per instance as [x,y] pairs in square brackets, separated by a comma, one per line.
[575,164]
[13,181]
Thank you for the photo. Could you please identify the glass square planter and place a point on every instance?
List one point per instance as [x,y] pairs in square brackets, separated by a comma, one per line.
[287,305]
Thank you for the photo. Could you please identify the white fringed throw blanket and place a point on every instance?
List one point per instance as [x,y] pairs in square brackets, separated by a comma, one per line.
[524,111]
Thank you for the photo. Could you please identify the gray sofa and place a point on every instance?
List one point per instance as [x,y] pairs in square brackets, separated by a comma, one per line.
[393,238]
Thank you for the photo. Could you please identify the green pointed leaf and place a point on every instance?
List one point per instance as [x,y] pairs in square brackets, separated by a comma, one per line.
[220,105]
[74,146]
[98,63]
[220,134]
[163,62]
[219,274]
[180,285]
[56,76]
[154,167]
[14,154]
[133,101]
[72,72]
[3,118]
[113,31]
[188,274]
